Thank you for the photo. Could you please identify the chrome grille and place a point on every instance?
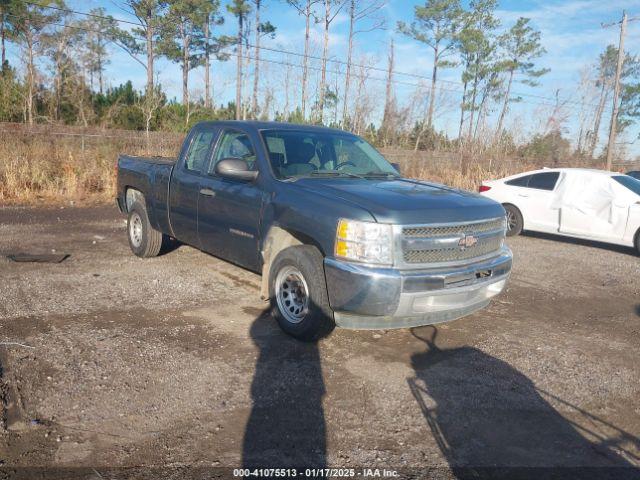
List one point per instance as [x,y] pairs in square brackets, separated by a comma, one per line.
[451,254]
[452,230]
[445,248]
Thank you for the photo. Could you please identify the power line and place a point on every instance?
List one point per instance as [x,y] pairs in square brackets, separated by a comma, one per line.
[550,101]
[93,15]
[616,89]
[297,65]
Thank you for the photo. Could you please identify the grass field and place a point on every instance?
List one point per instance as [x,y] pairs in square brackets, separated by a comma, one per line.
[52,167]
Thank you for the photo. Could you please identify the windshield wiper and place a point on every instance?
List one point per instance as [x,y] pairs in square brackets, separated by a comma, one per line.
[380,174]
[333,173]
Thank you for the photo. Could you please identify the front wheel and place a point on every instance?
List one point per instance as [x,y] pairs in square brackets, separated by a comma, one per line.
[514,220]
[298,293]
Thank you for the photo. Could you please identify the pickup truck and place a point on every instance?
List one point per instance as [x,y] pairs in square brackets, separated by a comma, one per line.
[338,235]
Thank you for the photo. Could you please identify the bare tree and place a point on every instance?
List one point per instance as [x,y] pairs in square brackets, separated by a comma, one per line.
[588,94]
[559,114]
[387,127]
[331,10]
[360,11]
[149,105]
[260,30]
[57,45]
[364,104]
[305,8]
[211,45]
[239,8]
[30,27]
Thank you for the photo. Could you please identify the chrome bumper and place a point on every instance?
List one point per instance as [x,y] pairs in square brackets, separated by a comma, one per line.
[382,298]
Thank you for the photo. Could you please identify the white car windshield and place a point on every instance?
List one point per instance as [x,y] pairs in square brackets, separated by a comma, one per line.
[631,183]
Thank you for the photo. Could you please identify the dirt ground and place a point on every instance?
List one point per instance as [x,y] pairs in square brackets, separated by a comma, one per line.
[171,363]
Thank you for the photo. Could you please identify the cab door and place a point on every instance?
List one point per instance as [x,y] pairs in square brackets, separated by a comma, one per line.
[229,210]
[185,184]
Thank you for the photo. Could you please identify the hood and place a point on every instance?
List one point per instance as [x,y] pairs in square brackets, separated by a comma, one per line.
[404,201]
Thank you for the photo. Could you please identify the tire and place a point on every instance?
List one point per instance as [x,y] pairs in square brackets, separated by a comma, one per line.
[637,242]
[514,220]
[298,293]
[144,240]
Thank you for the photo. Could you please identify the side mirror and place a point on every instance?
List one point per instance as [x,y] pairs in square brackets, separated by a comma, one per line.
[397,167]
[235,169]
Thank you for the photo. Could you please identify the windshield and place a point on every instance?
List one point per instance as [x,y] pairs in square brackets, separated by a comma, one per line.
[298,153]
[631,183]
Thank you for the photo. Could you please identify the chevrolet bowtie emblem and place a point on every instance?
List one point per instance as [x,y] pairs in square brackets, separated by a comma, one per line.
[467,241]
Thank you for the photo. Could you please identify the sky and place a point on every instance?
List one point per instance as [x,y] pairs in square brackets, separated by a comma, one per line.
[571,33]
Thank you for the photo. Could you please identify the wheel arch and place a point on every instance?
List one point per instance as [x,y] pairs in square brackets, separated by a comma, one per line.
[131,195]
[276,240]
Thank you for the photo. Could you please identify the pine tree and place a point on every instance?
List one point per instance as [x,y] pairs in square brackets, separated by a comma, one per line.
[436,25]
[521,46]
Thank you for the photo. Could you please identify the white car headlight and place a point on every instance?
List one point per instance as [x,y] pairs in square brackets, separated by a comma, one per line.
[367,242]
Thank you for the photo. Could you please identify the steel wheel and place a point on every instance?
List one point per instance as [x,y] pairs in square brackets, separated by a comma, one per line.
[292,294]
[135,230]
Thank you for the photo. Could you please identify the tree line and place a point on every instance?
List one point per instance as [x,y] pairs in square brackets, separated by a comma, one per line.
[64,55]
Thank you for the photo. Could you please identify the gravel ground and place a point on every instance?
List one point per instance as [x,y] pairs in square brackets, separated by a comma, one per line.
[172,363]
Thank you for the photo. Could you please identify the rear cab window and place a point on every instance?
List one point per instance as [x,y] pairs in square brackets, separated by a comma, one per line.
[198,152]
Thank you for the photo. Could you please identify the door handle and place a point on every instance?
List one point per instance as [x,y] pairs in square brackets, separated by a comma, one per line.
[523,195]
[207,192]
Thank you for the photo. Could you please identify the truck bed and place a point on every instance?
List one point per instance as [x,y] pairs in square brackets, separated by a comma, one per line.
[152,160]
[150,176]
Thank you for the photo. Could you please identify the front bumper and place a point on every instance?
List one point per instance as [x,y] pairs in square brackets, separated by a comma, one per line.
[382,298]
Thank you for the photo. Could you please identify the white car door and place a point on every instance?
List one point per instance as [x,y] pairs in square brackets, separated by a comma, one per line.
[534,195]
[596,207]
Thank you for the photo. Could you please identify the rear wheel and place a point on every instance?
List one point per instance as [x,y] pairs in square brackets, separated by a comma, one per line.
[144,240]
[514,220]
[298,293]
[637,242]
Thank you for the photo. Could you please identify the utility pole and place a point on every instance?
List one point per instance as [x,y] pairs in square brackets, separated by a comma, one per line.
[616,88]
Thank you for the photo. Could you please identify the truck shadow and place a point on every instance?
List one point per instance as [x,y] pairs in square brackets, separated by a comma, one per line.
[484,414]
[169,245]
[584,242]
[286,427]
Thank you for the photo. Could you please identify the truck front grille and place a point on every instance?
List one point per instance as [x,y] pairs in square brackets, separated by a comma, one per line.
[441,244]
[450,230]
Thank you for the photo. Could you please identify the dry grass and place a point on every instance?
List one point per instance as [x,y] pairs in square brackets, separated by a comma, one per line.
[37,169]
[49,168]
[476,173]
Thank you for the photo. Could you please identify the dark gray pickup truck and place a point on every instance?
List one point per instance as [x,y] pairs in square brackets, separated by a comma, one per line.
[339,237]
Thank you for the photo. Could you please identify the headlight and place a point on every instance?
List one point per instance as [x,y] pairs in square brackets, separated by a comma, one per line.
[364,242]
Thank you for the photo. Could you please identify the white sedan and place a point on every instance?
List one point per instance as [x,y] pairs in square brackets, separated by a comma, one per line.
[591,204]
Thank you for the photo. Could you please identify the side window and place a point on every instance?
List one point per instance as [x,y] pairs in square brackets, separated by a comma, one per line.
[544,181]
[520,181]
[197,154]
[234,144]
